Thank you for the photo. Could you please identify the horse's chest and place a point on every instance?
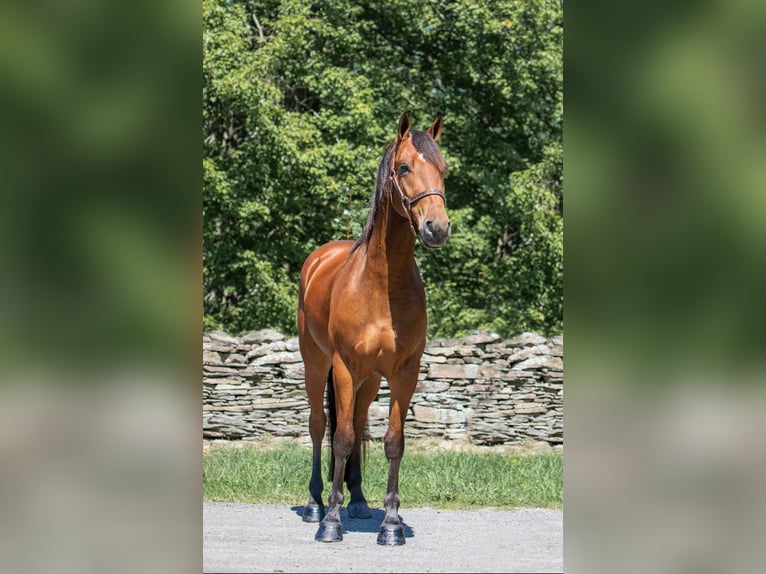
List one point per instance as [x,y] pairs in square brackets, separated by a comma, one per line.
[380,342]
[397,329]
[379,349]
[381,329]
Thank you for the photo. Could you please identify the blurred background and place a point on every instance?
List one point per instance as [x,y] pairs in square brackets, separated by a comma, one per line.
[101,289]
[665,174]
[100,305]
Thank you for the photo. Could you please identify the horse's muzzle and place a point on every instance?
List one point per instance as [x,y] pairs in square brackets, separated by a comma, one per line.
[435,234]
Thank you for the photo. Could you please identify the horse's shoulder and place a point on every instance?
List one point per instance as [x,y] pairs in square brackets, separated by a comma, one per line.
[331,249]
[330,254]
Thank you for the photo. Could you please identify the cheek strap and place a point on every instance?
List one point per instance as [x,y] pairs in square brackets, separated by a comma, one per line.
[408,202]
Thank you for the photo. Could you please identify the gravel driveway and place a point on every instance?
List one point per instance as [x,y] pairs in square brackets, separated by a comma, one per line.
[264,538]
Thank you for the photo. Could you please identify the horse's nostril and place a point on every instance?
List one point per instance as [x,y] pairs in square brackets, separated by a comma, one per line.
[430,225]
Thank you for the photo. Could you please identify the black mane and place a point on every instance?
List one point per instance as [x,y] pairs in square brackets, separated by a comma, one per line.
[426,145]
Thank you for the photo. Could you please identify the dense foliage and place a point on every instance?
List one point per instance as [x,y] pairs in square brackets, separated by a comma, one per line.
[299,100]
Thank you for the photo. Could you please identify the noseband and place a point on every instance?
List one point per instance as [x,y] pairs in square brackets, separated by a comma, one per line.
[407,201]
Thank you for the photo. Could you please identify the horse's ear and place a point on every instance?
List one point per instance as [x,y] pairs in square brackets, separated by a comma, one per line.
[404,127]
[436,128]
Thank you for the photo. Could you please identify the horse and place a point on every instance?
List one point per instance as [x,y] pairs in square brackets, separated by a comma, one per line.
[362,315]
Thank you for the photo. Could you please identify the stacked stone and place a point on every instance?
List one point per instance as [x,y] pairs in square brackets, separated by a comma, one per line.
[252,386]
[519,394]
[478,388]
[490,391]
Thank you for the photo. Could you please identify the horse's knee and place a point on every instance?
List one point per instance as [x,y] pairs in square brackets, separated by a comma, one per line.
[343,441]
[317,416]
[317,422]
[394,445]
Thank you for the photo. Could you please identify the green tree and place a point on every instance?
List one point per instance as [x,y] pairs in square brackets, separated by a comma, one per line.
[300,99]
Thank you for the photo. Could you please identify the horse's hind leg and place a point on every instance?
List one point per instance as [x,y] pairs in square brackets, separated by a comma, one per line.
[316,368]
[357,506]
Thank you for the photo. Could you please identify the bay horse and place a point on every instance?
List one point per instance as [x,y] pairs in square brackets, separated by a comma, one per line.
[362,315]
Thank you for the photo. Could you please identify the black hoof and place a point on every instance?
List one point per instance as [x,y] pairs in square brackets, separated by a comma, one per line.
[359,509]
[391,536]
[329,532]
[313,513]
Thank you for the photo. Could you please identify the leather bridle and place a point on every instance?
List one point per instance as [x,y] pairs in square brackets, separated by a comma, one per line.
[408,201]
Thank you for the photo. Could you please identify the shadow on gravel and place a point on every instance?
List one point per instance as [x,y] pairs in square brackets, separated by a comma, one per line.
[371,524]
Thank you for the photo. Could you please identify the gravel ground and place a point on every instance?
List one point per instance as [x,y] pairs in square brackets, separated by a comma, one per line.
[265,538]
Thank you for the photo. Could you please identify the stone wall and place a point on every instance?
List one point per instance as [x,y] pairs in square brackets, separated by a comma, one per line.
[480,388]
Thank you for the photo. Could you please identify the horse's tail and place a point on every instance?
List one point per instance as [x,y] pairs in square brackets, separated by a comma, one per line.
[332,417]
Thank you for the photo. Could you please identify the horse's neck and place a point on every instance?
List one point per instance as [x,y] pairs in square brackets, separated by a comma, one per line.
[392,245]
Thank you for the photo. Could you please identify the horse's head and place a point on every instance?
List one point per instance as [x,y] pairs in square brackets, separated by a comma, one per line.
[417,174]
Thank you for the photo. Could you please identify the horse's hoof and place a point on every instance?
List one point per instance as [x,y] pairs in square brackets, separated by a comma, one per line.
[391,536]
[313,513]
[329,532]
[359,509]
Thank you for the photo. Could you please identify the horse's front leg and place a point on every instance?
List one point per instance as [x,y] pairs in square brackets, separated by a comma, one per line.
[331,527]
[402,387]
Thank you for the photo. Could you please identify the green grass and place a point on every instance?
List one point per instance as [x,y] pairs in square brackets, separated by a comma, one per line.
[442,479]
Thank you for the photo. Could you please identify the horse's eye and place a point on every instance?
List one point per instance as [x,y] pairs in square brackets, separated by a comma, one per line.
[404,169]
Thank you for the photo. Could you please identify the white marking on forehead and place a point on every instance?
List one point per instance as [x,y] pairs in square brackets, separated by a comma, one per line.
[420,156]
